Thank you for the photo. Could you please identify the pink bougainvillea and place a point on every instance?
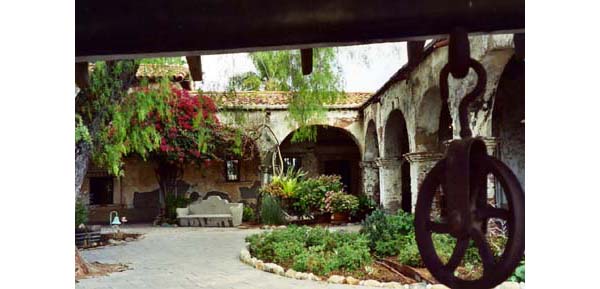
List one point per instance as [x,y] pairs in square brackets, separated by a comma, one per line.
[189,131]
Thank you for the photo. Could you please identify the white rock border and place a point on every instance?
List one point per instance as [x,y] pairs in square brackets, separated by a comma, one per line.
[246,258]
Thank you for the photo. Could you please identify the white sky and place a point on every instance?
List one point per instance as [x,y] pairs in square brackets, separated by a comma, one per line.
[364,67]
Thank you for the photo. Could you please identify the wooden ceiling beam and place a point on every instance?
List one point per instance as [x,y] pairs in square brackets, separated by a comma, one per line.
[82,79]
[195,66]
[306,56]
[111,29]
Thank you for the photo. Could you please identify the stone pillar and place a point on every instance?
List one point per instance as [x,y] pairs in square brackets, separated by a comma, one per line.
[390,181]
[266,172]
[420,164]
[370,176]
[491,144]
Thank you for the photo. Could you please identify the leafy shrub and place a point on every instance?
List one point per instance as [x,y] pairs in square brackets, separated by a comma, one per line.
[384,231]
[273,189]
[173,202]
[391,235]
[366,205]
[408,251]
[519,274]
[285,185]
[81,213]
[271,212]
[248,214]
[340,202]
[310,194]
[315,250]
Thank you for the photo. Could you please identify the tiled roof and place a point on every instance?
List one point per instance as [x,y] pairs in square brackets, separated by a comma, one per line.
[157,70]
[279,99]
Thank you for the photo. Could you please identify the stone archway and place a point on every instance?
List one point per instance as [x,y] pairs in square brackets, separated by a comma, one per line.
[433,122]
[428,117]
[335,151]
[369,166]
[508,121]
[394,169]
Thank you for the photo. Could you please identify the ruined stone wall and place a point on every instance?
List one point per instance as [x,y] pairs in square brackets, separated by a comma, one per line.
[280,127]
[278,120]
[417,97]
[140,178]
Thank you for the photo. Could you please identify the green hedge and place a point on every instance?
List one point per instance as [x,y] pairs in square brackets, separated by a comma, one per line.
[394,235]
[315,250]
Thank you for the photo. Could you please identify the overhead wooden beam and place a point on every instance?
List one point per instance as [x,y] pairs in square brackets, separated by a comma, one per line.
[519,41]
[82,79]
[195,66]
[199,27]
[306,56]
[414,50]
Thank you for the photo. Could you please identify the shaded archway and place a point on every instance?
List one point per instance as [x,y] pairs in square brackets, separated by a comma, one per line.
[370,168]
[445,128]
[396,186]
[508,121]
[335,152]
[434,122]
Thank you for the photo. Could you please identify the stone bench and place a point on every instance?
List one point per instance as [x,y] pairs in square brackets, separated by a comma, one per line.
[212,212]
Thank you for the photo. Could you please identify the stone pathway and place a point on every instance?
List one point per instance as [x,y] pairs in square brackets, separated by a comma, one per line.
[182,258]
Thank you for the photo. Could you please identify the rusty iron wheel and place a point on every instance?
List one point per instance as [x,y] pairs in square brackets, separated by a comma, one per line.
[494,272]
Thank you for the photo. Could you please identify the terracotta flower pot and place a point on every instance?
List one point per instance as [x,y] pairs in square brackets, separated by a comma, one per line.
[342,217]
[324,218]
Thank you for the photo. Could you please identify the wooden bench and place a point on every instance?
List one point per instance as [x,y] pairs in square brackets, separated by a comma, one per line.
[212,212]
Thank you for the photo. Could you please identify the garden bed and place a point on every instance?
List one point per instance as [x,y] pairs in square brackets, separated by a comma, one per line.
[324,253]
[384,251]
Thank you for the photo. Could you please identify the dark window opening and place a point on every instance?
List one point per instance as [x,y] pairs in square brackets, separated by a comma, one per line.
[295,163]
[342,169]
[232,170]
[101,190]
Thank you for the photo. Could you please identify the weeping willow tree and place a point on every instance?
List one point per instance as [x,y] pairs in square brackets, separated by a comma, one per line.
[282,71]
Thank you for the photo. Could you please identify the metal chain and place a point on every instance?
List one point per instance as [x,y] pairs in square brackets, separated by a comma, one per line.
[459,62]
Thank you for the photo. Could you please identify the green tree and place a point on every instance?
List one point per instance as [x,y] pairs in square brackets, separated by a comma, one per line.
[109,82]
[117,116]
[282,71]
[94,108]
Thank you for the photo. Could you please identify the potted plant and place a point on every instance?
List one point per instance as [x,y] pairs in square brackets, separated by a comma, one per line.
[340,205]
[310,197]
[366,205]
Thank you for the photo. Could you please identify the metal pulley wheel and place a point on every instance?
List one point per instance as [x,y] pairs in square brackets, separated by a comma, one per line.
[462,177]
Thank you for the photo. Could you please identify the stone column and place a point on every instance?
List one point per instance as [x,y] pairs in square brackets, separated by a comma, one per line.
[370,176]
[390,183]
[266,172]
[420,164]
[491,144]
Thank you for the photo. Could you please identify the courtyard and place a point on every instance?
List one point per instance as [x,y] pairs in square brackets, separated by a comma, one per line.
[300,168]
[258,154]
[182,258]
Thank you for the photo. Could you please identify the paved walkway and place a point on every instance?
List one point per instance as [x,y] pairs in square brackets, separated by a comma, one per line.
[183,258]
